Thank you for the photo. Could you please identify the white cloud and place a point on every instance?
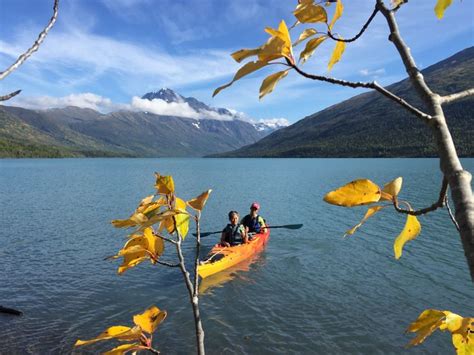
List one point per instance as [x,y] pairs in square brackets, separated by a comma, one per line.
[373,73]
[161,107]
[83,100]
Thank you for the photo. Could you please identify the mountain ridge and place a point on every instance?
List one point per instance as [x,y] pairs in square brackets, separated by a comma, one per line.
[370,125]
[74,131]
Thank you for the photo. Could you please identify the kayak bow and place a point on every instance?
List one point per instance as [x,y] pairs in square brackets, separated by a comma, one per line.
[221,258]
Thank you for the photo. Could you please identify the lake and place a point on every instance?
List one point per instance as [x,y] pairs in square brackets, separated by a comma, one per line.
[310,291]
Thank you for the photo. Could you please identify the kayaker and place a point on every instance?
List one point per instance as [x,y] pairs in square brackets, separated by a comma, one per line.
[253,222]
[234,233]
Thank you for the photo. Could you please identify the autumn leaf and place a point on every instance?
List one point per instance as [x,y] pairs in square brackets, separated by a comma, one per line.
[410,231]
[425,325]
[270,82]
[278,45]
[309,32]
[199,202]
[392,189]
[337,13]
[356,193]
[248,68]
[311,47]
[370,212]
[310,13]
[149,320]
[245,53]
[119,332]
[337,53]
[441,6]
[164,184]
[182,224]
[462,329]
[124,348]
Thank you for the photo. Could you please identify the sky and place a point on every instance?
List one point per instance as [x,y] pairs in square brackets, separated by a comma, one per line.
[105,54]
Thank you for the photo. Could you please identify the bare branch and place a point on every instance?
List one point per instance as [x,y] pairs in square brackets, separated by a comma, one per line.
[166,239]
[165,263]
[457,96]
[368,85]
[9,96]
[36,45]
[446,202]
[364,27]
[438,204]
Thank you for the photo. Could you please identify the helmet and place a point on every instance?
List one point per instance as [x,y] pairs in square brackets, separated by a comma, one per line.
[255,205]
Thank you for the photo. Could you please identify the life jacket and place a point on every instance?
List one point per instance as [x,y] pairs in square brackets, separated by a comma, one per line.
[253,223]
[233,234]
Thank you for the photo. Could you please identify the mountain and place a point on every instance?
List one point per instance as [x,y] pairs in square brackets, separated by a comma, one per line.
[370,125]
[74,131]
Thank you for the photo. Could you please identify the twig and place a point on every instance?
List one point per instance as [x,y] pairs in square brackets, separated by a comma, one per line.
[166,239]
[9,96]
[457,96]
[35,45]
[368,85]
[367,23]
[446,202]
[433,207]
[167,264]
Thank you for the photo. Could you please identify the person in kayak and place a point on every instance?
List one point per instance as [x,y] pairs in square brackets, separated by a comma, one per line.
[253,222]
[234,233]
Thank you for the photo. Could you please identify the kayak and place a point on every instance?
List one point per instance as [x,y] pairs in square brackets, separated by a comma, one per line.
[221,258]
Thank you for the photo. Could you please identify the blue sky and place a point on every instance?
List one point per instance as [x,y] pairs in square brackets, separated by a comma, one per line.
[102,53]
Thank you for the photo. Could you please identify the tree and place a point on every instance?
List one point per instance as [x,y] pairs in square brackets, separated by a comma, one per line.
[362,192]
[280,47]
[169,213]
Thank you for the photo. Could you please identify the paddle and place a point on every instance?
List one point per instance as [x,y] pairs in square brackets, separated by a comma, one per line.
[286,226]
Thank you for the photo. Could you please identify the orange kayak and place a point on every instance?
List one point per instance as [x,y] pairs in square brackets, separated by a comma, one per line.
[221,258]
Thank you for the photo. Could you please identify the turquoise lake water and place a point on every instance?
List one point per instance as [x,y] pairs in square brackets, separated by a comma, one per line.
[310,291]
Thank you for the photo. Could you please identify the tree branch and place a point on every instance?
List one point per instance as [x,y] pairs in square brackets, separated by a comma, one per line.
[364,27]
[457,96]
[438,204]
[368,85]
[166,263]
[35,45]
[446,202]
[166,239]
[9,96]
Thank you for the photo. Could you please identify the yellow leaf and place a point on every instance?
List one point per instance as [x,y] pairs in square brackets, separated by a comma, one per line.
[167,224]
[147,200]
[270,82]
[164,184]
[123,223]
[248,68]
[199,202]
[305,34]
[310,48]
[244,53]
[337,53]
[463,339]
[180,204]
[392,188]
[124,348]
[182,224]
[356,193]
[310,13]
[277,46]
[132,259]
[337,13]
[155,245]
[453,322]
[119,332]
[428,321]
[410,231]
[150,319]
[370,212]
[158,218]
[441,6]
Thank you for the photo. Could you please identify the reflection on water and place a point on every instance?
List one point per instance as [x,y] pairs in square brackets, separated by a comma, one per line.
[239,271]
